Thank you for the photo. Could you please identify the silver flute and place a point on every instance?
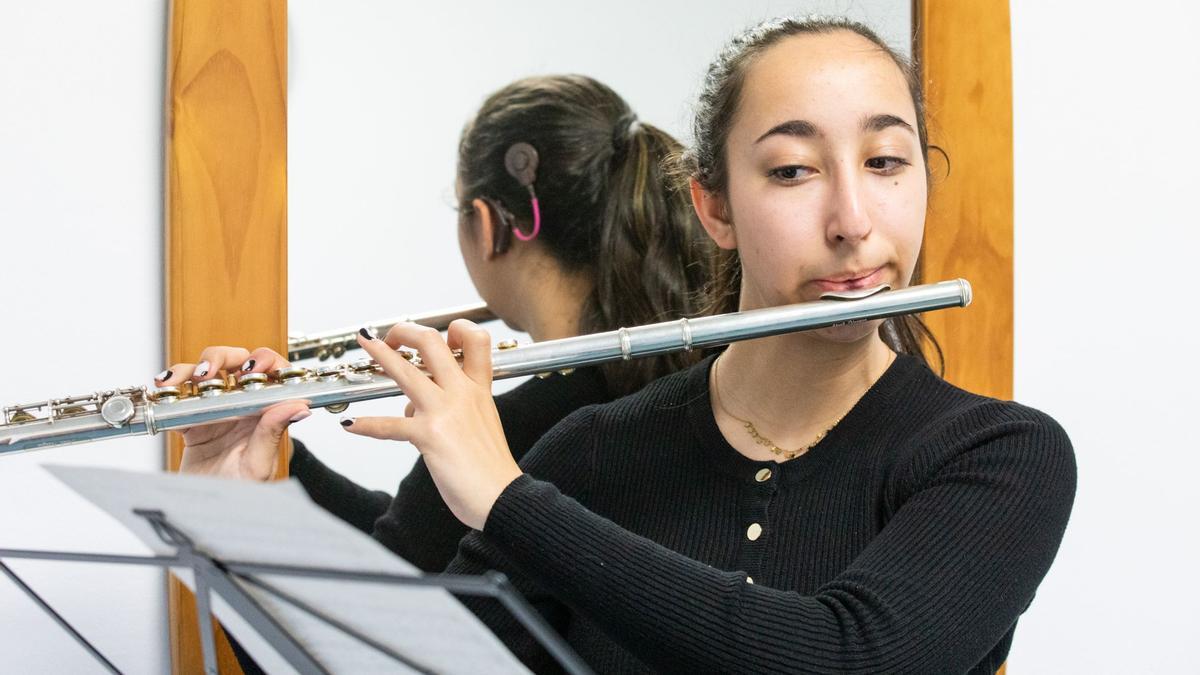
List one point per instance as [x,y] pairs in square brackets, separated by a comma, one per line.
[334,343]
[135,411]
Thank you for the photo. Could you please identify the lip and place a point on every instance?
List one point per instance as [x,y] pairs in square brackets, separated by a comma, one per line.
[850,281]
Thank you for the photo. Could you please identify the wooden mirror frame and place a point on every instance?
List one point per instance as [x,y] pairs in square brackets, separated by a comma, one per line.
[226,212]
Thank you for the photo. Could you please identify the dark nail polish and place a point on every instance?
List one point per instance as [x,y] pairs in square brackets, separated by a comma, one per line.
[202,369]
[248,366]
[347,421]
[366,333]
[166,374]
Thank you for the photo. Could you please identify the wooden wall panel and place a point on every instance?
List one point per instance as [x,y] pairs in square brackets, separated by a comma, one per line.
[226,214]
[964,50]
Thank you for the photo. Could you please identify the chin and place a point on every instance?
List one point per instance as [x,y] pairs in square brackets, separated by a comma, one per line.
[849,333]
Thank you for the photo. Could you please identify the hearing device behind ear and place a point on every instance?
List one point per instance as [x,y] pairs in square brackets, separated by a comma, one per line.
[521,162]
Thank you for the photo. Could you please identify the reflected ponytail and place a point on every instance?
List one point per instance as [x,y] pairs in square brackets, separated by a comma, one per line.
[610,208]
[653,254]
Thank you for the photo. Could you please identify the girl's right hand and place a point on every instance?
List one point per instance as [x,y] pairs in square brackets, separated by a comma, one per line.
[242,448]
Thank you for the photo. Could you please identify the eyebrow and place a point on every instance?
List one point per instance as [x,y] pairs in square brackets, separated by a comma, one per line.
[880,122]
[798,128]
[806,129]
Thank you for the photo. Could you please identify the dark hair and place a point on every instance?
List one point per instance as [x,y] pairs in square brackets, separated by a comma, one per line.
[609,206]
[706,161]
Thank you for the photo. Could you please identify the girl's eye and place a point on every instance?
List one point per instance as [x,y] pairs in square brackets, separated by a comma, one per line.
[886,165]
[791,173]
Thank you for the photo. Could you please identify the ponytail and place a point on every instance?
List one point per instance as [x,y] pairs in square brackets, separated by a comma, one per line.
[652,254]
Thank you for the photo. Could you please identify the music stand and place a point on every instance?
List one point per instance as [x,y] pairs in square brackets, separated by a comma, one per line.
[223,577]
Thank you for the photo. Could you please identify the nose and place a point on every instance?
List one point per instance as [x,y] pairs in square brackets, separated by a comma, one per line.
[848,220]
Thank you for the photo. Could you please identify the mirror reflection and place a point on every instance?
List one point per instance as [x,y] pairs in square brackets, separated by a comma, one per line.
[379,95]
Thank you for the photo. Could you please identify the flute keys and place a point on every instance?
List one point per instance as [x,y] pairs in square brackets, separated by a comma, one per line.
[291,374]
[117,411]
[163,394]
[253,381]
[329,373]
[211,388]
[21,416]
[506,344]
[360,371]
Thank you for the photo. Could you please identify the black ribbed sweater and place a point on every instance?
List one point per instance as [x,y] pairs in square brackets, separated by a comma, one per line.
[416,524]
[908,540]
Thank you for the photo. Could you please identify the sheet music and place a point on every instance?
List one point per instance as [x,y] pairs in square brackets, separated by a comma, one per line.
[277,523]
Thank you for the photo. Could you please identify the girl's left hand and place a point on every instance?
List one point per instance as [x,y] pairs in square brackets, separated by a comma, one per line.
[451,418]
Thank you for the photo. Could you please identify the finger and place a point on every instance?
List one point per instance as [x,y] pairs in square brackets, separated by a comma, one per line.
[213,360]
[383,428]
[411,380]
[435,354]
[409,409]
[263,360]
[392,337]
[476,346]
[264,440]
[175,375]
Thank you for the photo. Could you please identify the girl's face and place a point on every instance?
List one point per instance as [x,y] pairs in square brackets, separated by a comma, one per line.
[827,185]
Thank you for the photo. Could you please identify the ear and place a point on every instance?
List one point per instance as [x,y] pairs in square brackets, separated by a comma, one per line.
[713,211]
[485,235]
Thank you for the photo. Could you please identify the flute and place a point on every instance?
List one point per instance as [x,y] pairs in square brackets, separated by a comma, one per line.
[134,411]
[334,343]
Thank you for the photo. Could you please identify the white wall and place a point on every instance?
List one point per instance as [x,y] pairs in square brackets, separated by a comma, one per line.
[80,257]
[1105,98]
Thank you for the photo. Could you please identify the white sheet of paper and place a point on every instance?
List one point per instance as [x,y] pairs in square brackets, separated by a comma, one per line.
[277,523]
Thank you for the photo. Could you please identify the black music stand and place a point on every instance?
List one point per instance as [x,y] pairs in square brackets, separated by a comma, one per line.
[222,576]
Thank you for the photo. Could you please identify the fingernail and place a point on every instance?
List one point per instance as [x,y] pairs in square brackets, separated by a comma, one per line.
[248,365]
[366,333]
[163,375]
[304,414]
[202,369]
[346,421]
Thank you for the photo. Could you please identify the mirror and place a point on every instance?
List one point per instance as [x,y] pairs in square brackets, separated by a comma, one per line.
[378,94]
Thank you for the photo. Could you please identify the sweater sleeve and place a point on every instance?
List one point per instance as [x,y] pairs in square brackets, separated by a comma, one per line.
[985,503]
[478,553]
[334,492]
[419,527]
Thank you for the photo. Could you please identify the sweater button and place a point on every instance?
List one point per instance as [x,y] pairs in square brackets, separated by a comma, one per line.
[763,475]
[754,531]
[749,580]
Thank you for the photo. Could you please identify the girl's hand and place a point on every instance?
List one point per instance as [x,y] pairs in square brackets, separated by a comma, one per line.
[242,448]
[451,418]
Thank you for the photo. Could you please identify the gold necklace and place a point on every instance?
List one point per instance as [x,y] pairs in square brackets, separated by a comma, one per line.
[763,440]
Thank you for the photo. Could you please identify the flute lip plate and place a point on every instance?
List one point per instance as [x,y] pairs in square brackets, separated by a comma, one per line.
[856,294]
